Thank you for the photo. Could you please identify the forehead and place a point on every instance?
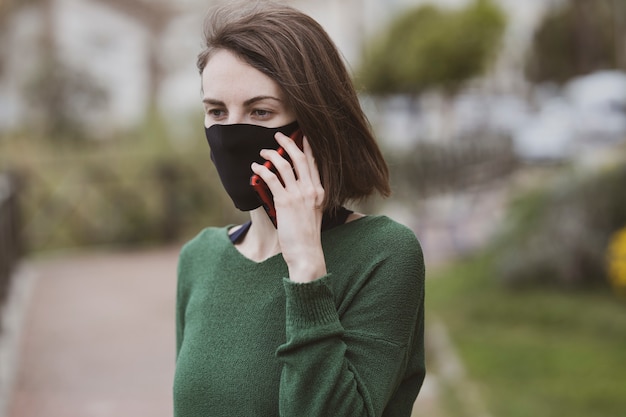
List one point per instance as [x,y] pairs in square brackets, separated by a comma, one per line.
[228,76]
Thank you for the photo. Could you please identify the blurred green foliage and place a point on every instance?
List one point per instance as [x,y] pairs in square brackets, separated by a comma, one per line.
[575,38]
[558,233]
[532,317]
[141,187]
[537,352]
[428,47]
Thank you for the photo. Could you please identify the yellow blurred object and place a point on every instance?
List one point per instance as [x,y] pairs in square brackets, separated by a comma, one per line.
[616,261]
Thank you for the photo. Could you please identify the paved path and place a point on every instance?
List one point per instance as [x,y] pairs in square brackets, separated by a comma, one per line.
[97,337]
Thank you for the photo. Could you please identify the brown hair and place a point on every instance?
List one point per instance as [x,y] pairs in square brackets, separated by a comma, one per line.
[294,50]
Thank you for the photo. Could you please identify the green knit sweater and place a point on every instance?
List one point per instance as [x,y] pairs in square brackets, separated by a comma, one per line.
[252,343]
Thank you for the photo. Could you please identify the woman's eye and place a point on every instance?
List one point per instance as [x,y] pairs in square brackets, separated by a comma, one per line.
[216,112]
[262,113]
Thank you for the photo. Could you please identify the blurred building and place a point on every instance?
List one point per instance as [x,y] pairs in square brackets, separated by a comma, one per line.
[142,53]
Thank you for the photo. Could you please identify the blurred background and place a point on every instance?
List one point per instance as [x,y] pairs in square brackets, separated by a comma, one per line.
[504,125]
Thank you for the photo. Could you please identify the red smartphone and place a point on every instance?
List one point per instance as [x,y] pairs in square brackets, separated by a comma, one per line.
[261,187]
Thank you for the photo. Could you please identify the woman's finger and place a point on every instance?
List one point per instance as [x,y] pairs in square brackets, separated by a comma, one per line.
[298,159]
[272,181]
[284,171]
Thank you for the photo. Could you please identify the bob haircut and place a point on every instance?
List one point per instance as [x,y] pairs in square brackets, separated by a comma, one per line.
[294,50]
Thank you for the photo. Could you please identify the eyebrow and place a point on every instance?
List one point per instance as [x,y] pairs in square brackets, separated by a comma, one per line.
[245,103]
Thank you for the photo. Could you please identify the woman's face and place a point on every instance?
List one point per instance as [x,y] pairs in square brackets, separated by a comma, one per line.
[235,92]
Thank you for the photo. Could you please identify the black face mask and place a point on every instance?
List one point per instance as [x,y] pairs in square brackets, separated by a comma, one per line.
[233,149]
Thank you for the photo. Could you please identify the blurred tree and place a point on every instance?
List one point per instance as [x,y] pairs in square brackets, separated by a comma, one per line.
[58,97]
[576,38]
[427,47]
[619,16]
[58,93]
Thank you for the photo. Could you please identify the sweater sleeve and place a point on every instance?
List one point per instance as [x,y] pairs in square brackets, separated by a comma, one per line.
[180,325]
[181,296]
[351,363]
[186,260]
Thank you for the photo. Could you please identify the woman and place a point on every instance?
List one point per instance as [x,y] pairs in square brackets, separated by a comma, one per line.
[323,314]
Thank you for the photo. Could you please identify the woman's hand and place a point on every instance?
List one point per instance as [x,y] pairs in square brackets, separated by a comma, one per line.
[298,208]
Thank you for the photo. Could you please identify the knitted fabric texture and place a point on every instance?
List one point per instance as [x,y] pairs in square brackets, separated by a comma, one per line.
[250,342]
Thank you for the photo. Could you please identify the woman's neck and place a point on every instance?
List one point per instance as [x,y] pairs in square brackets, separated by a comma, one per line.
[261,241]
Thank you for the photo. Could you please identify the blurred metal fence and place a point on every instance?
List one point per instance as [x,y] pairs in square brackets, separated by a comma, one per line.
[10,236]
[432,169]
